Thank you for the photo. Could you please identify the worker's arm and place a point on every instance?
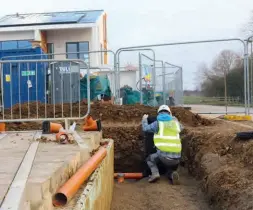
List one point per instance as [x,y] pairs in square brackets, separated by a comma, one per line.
[152,128]
[180,125]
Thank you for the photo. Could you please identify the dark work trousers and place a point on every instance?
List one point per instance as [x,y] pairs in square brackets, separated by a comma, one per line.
[170,164]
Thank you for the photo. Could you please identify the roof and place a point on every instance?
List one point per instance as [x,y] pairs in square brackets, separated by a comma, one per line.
[71,17]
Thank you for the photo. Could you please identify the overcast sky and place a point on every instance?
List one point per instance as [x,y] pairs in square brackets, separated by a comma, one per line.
[137,22]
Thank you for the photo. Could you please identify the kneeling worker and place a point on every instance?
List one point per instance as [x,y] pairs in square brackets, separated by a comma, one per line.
[167,141]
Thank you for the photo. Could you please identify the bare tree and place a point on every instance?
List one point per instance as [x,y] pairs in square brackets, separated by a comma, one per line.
[201,75]
[225,62]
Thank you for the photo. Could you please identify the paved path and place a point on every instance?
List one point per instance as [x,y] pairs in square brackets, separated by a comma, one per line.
[215,111]
[52,166]
[13,148]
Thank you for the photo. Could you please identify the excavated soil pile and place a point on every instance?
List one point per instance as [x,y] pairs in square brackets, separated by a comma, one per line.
[223,163]
[107,113]
[129,149]
[121,123]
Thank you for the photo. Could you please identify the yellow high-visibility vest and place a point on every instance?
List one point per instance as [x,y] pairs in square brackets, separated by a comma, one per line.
[167,139]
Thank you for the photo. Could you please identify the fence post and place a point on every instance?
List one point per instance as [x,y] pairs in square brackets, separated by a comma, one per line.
[163,83]
[140,75]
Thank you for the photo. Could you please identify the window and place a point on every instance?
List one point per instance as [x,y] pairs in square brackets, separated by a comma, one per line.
[24,44]
[77,50]
[11,45]
[72,49]
[50,50]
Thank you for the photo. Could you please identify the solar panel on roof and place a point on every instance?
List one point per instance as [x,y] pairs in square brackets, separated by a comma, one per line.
[42,19]
[51,18]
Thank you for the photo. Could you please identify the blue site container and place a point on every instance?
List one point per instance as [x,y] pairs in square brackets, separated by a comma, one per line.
[19,77]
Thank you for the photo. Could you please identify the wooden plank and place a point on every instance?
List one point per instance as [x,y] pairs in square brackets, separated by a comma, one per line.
[15,195]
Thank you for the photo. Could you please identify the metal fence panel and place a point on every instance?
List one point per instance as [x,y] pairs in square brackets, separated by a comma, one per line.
[174,87]
[43,89]
[103,70]
[65,79]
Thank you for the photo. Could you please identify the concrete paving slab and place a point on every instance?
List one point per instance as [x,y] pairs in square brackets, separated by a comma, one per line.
[17,188]
[53,164]
[12,152]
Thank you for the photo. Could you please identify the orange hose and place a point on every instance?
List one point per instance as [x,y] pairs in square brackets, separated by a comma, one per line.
[68,190]
[129,175]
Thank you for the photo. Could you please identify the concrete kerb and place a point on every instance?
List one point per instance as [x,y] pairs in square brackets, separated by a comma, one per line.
[51,166]
[40,190]
[16,191]
[99,188]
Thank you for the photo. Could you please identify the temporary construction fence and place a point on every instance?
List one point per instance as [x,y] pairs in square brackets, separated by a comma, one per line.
[99,71]
[96,69]
[145,92]
[249,43]
[140,82]
[169,83]
[245,60]
[42,89]
[172,83]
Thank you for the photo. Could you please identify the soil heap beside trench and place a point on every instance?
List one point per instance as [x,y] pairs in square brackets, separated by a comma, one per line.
[107,113]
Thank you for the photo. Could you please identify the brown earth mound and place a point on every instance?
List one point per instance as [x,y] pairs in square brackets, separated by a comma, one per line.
[223,163]
[129,150]
[121,123]
[107,113]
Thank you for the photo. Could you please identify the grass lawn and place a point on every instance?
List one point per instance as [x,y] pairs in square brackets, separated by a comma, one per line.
[219,101]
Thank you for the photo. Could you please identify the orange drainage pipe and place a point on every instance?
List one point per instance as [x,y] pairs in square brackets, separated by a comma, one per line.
[2,127]
[62,137]
[68,190]
[122,176]
[55,127]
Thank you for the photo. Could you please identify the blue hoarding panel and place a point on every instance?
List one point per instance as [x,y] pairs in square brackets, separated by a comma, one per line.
[23,82]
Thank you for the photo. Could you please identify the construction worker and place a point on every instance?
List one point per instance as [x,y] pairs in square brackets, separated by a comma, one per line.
[167,142]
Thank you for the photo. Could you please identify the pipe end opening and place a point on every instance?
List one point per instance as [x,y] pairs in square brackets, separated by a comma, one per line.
[60,199]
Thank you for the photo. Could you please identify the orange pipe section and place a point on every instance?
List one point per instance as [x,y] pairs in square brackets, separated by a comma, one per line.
[55,127]
[69,189]
[90,124]
[129,175]
[2,127]
[62,137]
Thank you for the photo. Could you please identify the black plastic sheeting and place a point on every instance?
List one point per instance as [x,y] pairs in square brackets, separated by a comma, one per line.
[244,135]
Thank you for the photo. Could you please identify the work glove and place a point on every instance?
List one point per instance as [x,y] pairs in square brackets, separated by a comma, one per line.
[145,117]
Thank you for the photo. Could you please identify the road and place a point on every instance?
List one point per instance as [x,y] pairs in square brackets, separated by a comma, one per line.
[216,111]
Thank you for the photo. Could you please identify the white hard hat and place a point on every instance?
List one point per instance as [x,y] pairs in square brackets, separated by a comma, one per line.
[164,108]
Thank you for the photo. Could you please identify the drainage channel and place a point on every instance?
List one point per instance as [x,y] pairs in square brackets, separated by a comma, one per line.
[139,194]
[161,195]
[211,154]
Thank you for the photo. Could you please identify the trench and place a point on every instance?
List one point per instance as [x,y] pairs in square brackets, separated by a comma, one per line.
[216,169]
[130,152]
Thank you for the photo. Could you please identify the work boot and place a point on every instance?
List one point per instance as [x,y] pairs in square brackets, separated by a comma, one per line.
[153,178]
[175,178]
